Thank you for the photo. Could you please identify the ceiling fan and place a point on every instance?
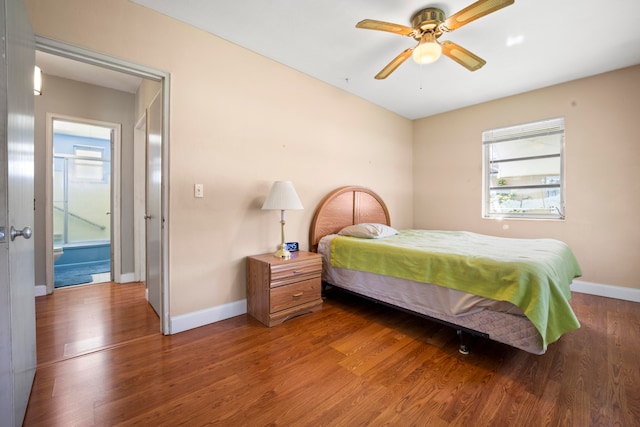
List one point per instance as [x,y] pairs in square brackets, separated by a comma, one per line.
[427,25]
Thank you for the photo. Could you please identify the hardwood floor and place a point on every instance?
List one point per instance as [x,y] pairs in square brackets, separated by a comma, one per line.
[101,362]
[84,319]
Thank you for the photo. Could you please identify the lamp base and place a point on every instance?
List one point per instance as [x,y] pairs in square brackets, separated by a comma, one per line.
[282,252]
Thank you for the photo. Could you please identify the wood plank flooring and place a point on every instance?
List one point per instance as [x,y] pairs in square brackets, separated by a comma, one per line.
[102,362]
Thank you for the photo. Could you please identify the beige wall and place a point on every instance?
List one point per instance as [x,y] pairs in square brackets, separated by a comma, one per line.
[85,101]
[602,152]
[238,122]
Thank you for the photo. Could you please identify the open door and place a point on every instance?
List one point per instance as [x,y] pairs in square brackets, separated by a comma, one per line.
[17,282]
[154,220]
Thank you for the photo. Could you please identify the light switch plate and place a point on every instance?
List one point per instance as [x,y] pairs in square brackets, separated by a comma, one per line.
[198,190]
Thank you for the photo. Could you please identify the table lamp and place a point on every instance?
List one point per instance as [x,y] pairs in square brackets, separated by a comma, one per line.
[282,197]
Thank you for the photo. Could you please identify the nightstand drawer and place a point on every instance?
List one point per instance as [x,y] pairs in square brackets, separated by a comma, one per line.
[290,273]
[296,294]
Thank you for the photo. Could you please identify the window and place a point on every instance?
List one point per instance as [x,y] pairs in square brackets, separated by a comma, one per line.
[85,169]
[523,171]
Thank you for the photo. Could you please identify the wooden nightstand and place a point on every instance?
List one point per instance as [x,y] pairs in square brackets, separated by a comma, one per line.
[279,289]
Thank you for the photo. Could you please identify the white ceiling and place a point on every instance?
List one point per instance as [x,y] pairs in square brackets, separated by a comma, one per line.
[555,41]
[59,66]
[528,45]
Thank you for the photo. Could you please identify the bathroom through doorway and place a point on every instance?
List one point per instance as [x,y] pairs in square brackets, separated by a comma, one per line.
[82,202]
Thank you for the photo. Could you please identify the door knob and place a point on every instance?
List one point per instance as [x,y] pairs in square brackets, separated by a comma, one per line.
[25,232]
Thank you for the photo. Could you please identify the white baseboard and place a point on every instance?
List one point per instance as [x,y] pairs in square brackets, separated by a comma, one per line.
[41,290]
[196,319]
[609,291]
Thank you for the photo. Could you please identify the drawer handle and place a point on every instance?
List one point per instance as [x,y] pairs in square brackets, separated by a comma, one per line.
[297,272]
[299,294]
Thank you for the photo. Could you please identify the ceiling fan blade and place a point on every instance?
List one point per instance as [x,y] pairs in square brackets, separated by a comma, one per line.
[462,56]
[395,63]
[372,24]
[472,12]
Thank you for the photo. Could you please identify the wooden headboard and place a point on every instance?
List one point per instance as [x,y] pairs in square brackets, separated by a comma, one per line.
[346,206]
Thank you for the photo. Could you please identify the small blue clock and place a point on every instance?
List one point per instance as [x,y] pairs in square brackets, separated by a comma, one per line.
[291,246]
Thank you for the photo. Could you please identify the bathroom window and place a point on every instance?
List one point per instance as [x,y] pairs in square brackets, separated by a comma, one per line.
[85,168]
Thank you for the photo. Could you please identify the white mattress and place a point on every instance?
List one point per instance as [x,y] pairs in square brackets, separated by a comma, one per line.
[501,320]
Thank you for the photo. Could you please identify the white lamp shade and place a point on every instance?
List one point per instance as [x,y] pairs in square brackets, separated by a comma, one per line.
[428,51]
[282,197]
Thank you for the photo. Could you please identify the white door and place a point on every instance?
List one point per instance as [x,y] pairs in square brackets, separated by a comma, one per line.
[153,215]
[17,286]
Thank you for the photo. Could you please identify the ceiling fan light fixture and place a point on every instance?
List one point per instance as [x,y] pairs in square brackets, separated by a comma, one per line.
[428,50]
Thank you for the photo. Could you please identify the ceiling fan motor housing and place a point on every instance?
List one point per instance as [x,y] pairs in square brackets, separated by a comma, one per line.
[428,19]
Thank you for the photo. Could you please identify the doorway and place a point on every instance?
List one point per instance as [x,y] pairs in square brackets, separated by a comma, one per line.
[82,200]
[128,228]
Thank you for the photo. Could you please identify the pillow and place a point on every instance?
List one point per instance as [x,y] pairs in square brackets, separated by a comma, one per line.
[368,230]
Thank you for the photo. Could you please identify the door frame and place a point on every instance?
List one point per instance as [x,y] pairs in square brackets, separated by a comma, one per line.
[59,48]
[139,203]
[115,204]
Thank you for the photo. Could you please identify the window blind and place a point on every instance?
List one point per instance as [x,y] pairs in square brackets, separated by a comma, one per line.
[524,131]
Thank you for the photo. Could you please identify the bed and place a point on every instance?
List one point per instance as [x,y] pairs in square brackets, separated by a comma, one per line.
[523,300]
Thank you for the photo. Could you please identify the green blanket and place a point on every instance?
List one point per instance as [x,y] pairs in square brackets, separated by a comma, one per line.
[533,274]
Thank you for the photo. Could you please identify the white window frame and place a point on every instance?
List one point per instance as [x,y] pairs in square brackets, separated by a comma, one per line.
[524,133]
[89,163]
